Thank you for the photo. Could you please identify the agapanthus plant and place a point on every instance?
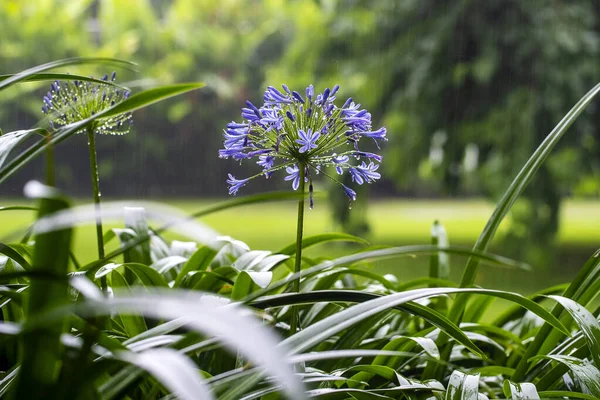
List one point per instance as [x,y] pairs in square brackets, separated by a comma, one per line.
[304,135]
[73,101]
[69,102]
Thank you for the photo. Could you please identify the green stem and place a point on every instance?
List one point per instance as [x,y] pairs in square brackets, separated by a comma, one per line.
[298,265]
[96,186]
[50,175]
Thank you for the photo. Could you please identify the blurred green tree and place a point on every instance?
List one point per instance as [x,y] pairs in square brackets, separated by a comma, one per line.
[224,44]
[467,90]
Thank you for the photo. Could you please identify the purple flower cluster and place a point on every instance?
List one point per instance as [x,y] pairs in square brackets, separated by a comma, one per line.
[69,102]
[290,131]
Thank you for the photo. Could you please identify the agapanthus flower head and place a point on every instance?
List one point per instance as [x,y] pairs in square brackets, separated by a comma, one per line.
[72,101]
[290,131]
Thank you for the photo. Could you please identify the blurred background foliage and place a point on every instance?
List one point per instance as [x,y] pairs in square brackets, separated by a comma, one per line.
[466,88]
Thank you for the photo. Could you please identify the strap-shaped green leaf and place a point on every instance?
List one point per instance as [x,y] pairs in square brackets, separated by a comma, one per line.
[463,386]
[587,375]
[14,255]
[549,394]
[30,73]
[42,351]
[520,391]
[346,318]
[10,140]
[148,276]
[49,76]
[134,324]
[172,369]
[587,323]
[402,251]
[322,238]
[511,195]
[249,281]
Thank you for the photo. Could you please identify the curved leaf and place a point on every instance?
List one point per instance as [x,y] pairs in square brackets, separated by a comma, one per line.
[106,269]
[248,281]
[478,337]
[514,312]
[15,256]
[164,265]
[520,391]
[587,323]
[403,251]
[234,325]
[584,283]
[401,345]
[322,238]
[10,140]
[425,281]
[175,371]
[354,353]
[9,328]
[148,276]
[250,259]
[119,382]
[49,76]
[515,189]
[586,374]
[212,281]
[7,380]
[463,386]
[335,323]
[134,324]
[135,220]
[565,394]
[396,392]
[197,262]
[521,181]
[160,330]
[426,313]
[492,370]
[370,275]
[31,72]
[224,205]
[270,262]
[19,208]
[490,330]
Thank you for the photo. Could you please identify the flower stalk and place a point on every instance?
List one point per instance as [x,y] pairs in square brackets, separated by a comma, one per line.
[305,136]
[50,162]
[299,232]
[96,187]
[73,101]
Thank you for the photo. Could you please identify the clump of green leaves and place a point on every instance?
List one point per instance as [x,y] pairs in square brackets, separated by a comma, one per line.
[206,318]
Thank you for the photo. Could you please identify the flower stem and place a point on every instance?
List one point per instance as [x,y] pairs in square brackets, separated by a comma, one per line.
[50,175]
[96,186]
[297,268]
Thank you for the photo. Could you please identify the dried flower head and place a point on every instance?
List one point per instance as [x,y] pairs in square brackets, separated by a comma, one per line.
[290,130]
[69,102]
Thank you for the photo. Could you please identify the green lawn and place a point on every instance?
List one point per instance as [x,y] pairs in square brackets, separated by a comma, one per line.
[394,222]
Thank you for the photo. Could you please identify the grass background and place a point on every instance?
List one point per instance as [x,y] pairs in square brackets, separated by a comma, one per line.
[393,222]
